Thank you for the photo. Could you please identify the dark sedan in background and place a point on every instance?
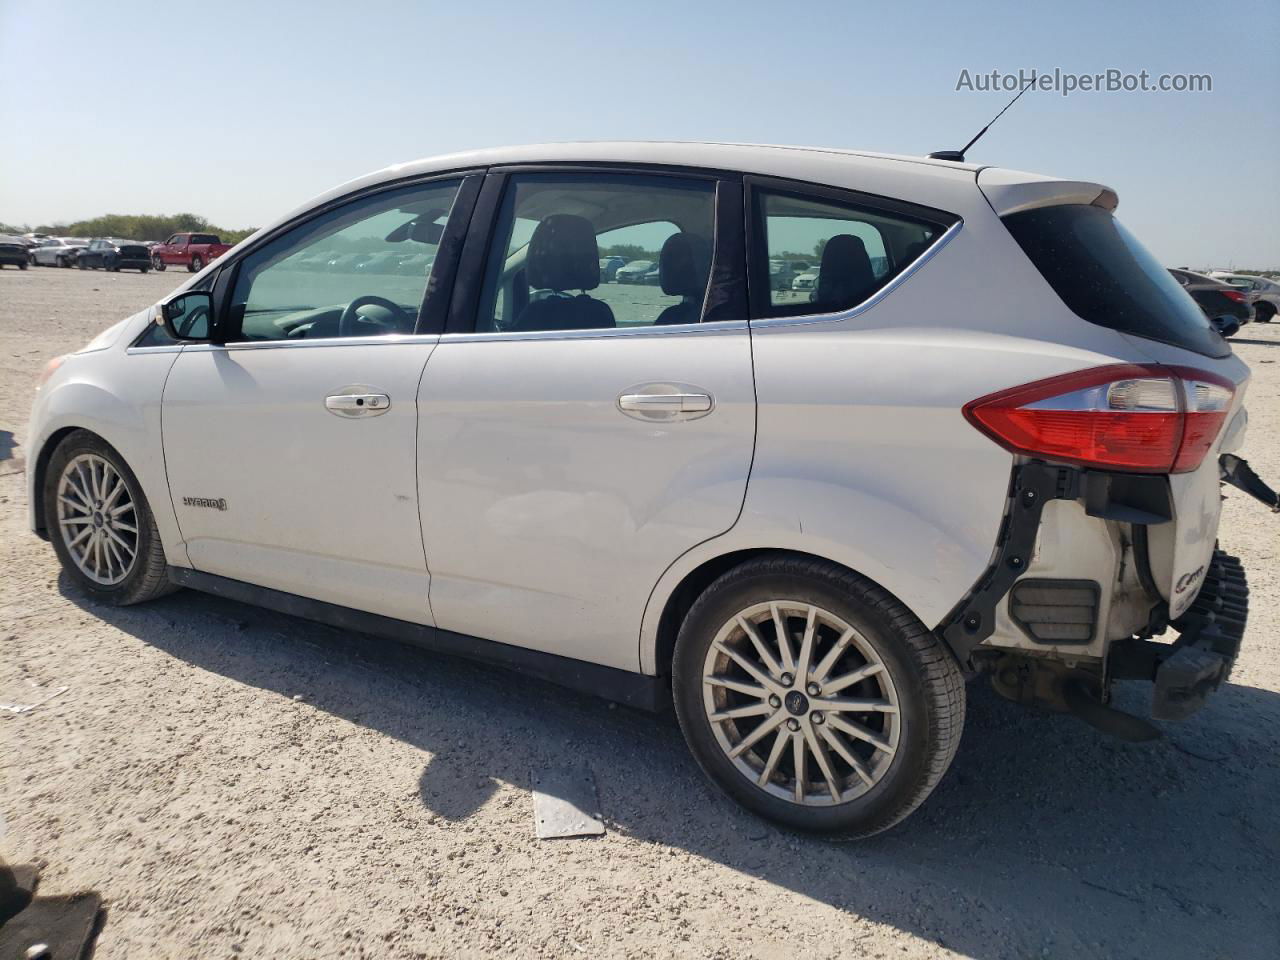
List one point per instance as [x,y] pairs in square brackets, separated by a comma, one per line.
[114,254]
[1227,308]
[13,252]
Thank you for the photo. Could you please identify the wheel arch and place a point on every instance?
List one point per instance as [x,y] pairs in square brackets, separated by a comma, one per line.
[40,473]
[662,625]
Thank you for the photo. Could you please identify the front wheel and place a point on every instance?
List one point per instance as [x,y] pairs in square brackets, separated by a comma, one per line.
[1265,312]
[158,264]
[815,698]
[100,524]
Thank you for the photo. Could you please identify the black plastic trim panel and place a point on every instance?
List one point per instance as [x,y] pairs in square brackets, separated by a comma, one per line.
[621,686]
[1125,498]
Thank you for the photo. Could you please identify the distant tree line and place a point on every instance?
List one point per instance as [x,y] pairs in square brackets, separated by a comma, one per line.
[133,227]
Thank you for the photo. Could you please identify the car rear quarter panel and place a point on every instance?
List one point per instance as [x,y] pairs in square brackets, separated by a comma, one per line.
[863,456]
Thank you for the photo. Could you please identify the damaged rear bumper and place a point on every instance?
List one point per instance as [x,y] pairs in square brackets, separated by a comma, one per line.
[1199,661]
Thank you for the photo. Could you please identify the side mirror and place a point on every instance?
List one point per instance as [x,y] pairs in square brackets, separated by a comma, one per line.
[188,316]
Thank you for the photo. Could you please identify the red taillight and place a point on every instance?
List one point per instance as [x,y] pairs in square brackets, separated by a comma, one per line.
[1234,295]
[1146,419]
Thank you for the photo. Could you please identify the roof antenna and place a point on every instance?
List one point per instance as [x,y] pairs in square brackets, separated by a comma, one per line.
[957,156]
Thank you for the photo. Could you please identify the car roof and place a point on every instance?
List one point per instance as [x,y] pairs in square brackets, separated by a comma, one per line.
[942,184]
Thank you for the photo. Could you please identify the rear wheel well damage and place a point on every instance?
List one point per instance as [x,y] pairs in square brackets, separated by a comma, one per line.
[41,470]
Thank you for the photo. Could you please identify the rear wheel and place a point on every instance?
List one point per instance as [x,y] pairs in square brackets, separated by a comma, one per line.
[100,524]
[196,264]
[1265,312]
[815,698]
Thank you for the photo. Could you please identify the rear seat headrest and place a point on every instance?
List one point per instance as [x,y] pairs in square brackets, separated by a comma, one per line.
[684,264]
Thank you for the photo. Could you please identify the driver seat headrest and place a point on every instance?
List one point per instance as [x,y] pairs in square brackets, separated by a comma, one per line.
[563,254]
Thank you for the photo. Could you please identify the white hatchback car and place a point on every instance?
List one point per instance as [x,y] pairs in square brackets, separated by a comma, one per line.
[807,522]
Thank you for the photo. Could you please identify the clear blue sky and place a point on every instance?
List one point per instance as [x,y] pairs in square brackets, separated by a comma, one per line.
[239,111]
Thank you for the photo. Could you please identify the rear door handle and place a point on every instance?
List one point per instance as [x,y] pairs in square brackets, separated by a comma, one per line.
[357,404]
[666,405]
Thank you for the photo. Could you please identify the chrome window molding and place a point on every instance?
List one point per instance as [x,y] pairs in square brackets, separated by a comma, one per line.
[872,300]
[647,330]
[386,340]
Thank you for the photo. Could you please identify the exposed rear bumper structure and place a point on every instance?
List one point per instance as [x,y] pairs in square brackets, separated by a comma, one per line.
[1205,652]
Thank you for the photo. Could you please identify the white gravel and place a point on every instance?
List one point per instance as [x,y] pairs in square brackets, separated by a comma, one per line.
[234,782]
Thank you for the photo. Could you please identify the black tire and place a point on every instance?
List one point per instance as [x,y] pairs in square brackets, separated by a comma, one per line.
[146,578]
[1265,312]
[22,266]
[157,264]
[928,683]
[143,269]
[196,264]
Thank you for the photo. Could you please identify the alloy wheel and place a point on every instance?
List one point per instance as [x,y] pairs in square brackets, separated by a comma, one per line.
[801,703]
[97,519]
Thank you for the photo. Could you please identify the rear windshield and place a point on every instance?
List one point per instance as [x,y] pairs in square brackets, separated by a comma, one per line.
[1104,275]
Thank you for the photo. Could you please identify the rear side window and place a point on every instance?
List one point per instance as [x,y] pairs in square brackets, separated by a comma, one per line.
[1104,275]
[822,255]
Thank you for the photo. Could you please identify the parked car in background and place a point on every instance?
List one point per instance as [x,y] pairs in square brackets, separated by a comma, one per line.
[13,252]
[609,267]
[34,239]
[57,252]
[635,271]
[806,523]
[807,280]
[190,250]
[1220,301]
[114,254]
[1264,291]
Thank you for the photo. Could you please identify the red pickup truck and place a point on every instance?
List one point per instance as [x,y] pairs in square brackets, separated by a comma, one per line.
[191,250]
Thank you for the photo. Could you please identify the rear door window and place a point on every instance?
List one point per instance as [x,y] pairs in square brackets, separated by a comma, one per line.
[1106,276]
[555,231]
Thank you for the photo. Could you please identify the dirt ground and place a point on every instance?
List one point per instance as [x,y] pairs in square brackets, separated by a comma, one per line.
[234,782]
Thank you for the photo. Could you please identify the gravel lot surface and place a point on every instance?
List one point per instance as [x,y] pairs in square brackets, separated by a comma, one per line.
[234,782]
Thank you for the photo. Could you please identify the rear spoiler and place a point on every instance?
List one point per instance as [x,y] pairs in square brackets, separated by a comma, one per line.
[1012,191]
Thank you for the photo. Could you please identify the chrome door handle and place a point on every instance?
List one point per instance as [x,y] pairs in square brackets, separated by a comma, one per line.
[358,404]
[666,405]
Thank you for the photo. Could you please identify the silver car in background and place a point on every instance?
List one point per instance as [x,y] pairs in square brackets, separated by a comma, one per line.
[57,251]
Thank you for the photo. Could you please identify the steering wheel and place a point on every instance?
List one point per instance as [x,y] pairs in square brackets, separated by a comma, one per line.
[347,322]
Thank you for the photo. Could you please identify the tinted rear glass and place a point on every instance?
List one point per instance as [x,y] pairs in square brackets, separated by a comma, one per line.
[1104,275]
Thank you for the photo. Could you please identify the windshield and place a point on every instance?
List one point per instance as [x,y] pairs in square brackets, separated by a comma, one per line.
[1106,276]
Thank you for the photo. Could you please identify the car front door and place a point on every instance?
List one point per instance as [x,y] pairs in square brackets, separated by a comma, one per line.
[290,448]
[576,435]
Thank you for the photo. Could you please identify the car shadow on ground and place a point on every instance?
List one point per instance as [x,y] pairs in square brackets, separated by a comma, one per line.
[1046,838]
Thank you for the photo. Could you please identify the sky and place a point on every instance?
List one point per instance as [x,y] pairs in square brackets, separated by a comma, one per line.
[240,111]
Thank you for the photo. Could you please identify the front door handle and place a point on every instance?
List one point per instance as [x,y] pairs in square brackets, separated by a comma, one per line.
[357,404]
[654,402]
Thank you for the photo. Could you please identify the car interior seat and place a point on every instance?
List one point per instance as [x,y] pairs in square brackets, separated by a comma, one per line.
[563,256]
[683,267]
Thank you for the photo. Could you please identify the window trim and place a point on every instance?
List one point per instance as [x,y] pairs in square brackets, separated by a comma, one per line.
[724,304]
[439,285]
[762,308]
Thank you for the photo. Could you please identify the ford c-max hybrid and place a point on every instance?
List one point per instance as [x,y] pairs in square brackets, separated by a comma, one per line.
[988,443]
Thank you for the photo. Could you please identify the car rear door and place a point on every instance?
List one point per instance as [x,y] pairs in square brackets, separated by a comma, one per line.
[577,436]
[290,448]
